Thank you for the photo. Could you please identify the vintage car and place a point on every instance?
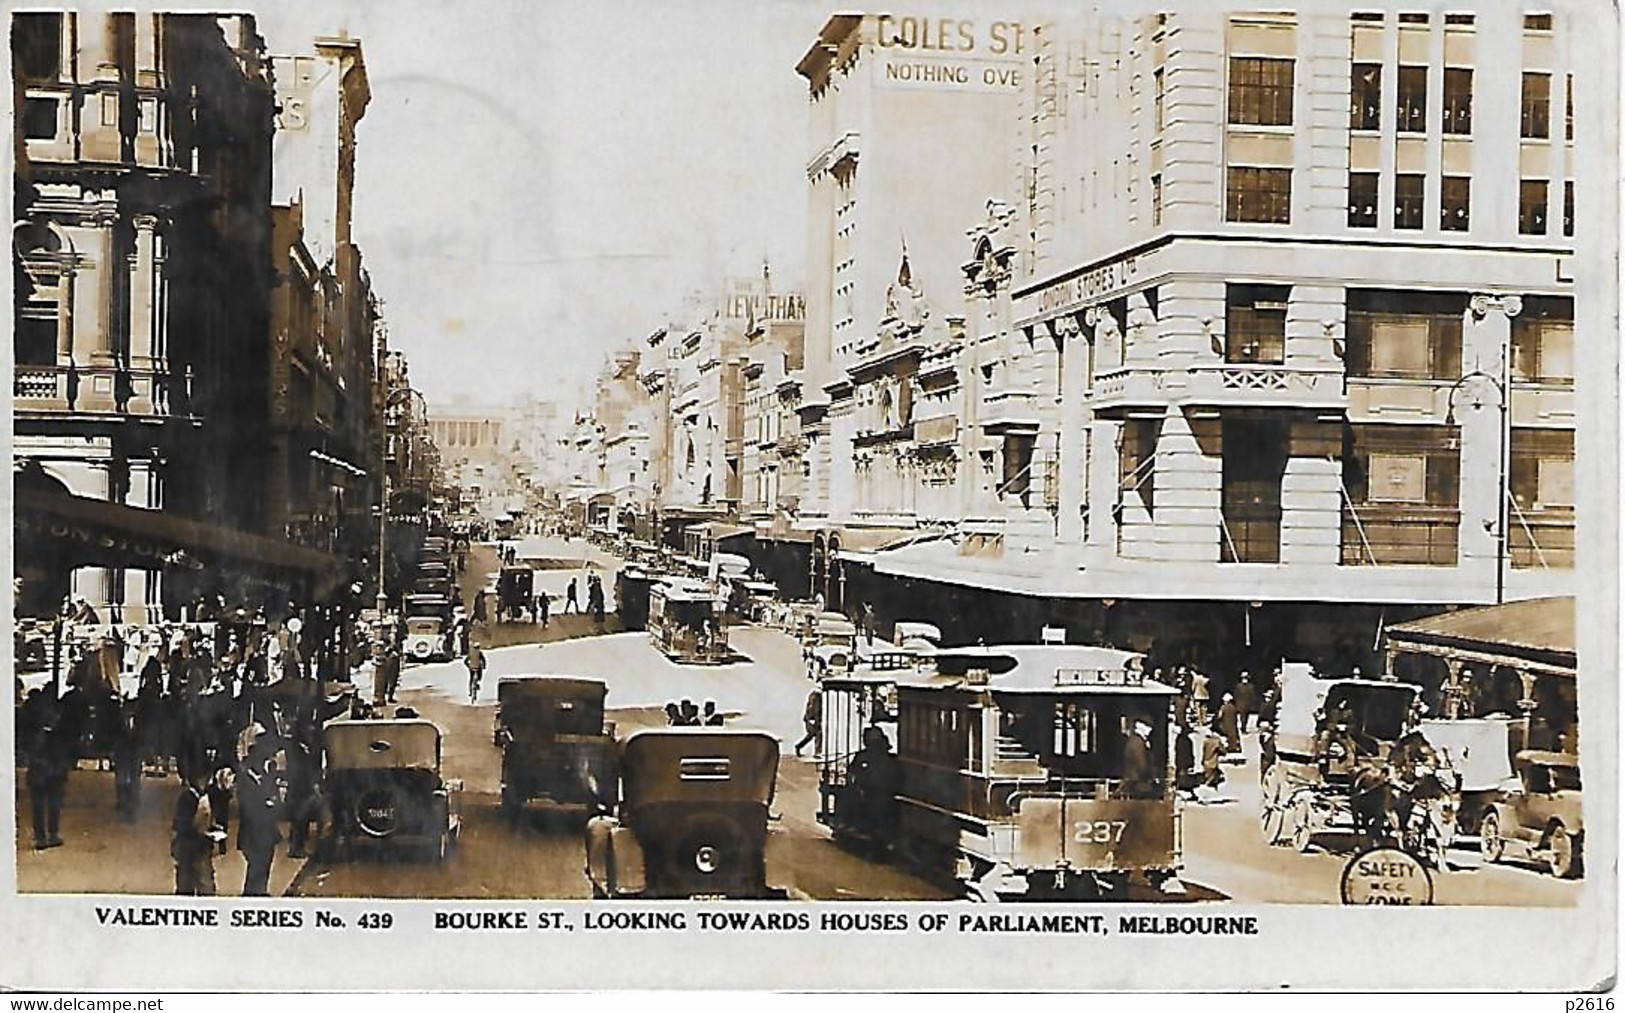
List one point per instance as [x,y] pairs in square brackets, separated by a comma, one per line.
[515,587]
[692,820]
[436,605]
[831,646]
[555,742]
[1537,814]
[382,779]
[425,639]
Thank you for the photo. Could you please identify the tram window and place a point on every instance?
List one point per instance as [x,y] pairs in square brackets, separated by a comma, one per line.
[1077,731]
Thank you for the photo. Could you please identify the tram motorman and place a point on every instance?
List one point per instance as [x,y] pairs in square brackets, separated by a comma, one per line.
[875,777]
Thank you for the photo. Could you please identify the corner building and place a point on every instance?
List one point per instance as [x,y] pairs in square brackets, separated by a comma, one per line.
[1301,286]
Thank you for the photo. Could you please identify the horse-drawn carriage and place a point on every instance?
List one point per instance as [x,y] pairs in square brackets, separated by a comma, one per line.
[1347,756]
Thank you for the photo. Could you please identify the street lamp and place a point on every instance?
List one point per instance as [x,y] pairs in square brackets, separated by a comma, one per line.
[1502,386]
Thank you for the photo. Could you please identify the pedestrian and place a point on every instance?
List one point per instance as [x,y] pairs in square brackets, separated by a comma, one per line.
[304,793]
[479,607]
[709,715]
[689,713]
[259,805]
[475,660]
[127,764]
[544,605]
[869,623]
[1199,695]
[570,600]
[1246,700]
[192,841]
[1226,723]
[674,714]
[812,720]
[1212,773]
[54,752]
[392,671]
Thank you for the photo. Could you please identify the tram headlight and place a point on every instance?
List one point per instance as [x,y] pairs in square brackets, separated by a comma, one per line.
[706,859]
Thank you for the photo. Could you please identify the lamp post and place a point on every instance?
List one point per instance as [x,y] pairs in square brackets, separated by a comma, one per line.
[1502,386]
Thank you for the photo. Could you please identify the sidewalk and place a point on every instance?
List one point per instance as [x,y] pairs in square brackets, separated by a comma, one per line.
[103,854]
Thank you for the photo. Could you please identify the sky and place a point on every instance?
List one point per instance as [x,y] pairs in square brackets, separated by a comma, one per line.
[540,183]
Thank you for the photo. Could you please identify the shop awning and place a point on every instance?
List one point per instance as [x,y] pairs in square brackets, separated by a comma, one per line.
[716,531]
[1539,630]
[93,532]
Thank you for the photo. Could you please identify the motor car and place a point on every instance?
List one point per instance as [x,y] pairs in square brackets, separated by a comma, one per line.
[436,605]
[515,587]
[383,781]
[692,819]
[555,742]
[1537,815]
[425,639]
[830,646]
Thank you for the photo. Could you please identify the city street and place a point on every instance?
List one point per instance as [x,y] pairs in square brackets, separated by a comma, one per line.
[543,854]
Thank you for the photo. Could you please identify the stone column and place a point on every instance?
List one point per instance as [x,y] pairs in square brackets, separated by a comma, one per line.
[1187,482]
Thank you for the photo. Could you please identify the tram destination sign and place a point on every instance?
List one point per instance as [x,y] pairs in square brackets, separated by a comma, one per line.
[1098,677]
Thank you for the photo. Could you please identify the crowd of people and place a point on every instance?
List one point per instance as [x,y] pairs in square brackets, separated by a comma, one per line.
[230,701]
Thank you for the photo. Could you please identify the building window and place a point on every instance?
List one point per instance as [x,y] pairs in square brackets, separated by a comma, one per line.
[1455,204]
[1260,91]
[1253,462]
[1158,94]
[1543,342]
[1532,207]
[1403,495]
[109,104]
[1413,100]
[1156,199]
[1413,18]
[1540,482]
[1537,22]
[1259,195]
[1537,102]
[1464,20]
[1137,451]
[39,119]
[1365,97]
[1255,323]
[1458,100]
[1362,200]
[36,46]
[1408,201]
[1568,208]
[1404,335]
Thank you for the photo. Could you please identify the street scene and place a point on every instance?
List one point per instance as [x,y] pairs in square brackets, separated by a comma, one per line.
[1151,509]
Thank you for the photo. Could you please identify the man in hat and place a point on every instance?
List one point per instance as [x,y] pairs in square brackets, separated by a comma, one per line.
[1139,773]
[259,803]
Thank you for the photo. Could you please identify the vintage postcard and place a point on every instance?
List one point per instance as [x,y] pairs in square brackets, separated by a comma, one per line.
[958,495]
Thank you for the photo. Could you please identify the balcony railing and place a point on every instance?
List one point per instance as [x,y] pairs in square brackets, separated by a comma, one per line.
[108,390]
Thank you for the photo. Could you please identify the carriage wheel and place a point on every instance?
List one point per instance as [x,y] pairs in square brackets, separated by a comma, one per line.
[1302,822]
[1272,786]
[1490,841]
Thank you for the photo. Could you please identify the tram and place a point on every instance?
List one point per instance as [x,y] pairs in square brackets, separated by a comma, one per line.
[1023,772]
[685,622]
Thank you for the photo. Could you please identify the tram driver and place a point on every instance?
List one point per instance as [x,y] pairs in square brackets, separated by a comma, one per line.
[1139,766]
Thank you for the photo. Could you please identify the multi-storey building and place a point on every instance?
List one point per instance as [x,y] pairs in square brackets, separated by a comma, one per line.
[892,101]
[143,176]
[322,481]
[1292,333]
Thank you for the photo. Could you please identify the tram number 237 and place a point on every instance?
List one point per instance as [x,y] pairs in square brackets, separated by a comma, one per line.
[1099,831]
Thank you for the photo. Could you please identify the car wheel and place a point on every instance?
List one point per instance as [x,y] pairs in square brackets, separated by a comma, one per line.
[1303,823]
[421,650]
[1563,854]
[1490,842]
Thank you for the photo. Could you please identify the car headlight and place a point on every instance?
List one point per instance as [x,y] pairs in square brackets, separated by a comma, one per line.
[706,859]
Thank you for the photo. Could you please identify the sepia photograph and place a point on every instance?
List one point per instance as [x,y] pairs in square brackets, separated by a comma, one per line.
[1146,468]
